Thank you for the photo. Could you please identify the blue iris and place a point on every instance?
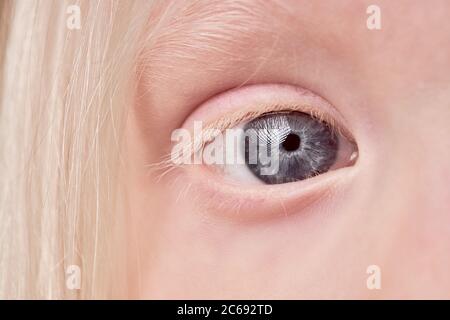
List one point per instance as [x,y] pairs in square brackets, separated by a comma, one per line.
[305,146]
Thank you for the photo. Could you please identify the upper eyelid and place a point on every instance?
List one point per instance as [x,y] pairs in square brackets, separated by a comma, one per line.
[233,118]
[250,101]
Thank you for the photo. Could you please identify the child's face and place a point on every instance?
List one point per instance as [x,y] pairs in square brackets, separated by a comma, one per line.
[198,233]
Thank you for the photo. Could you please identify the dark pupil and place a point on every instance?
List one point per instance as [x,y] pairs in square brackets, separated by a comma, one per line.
[291,143]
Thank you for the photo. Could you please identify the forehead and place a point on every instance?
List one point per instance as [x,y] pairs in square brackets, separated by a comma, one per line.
[243,29]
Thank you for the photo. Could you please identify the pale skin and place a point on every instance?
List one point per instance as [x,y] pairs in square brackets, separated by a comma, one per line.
[191,234]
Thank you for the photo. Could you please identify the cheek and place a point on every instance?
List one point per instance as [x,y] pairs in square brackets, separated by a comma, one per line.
[195,252]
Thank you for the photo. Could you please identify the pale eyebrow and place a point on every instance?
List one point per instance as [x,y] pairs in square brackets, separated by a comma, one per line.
[205,27]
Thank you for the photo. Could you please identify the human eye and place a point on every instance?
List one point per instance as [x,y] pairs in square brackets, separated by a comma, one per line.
[276,135]
[286,146]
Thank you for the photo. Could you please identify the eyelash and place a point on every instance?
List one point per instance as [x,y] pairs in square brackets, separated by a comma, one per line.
[234,119]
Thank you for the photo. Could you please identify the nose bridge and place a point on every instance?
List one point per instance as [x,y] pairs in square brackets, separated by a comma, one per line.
[414,202]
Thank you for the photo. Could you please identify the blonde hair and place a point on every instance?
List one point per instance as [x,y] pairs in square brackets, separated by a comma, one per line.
[63,100]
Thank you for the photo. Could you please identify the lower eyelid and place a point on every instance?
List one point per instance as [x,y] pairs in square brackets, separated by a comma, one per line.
[261,202]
